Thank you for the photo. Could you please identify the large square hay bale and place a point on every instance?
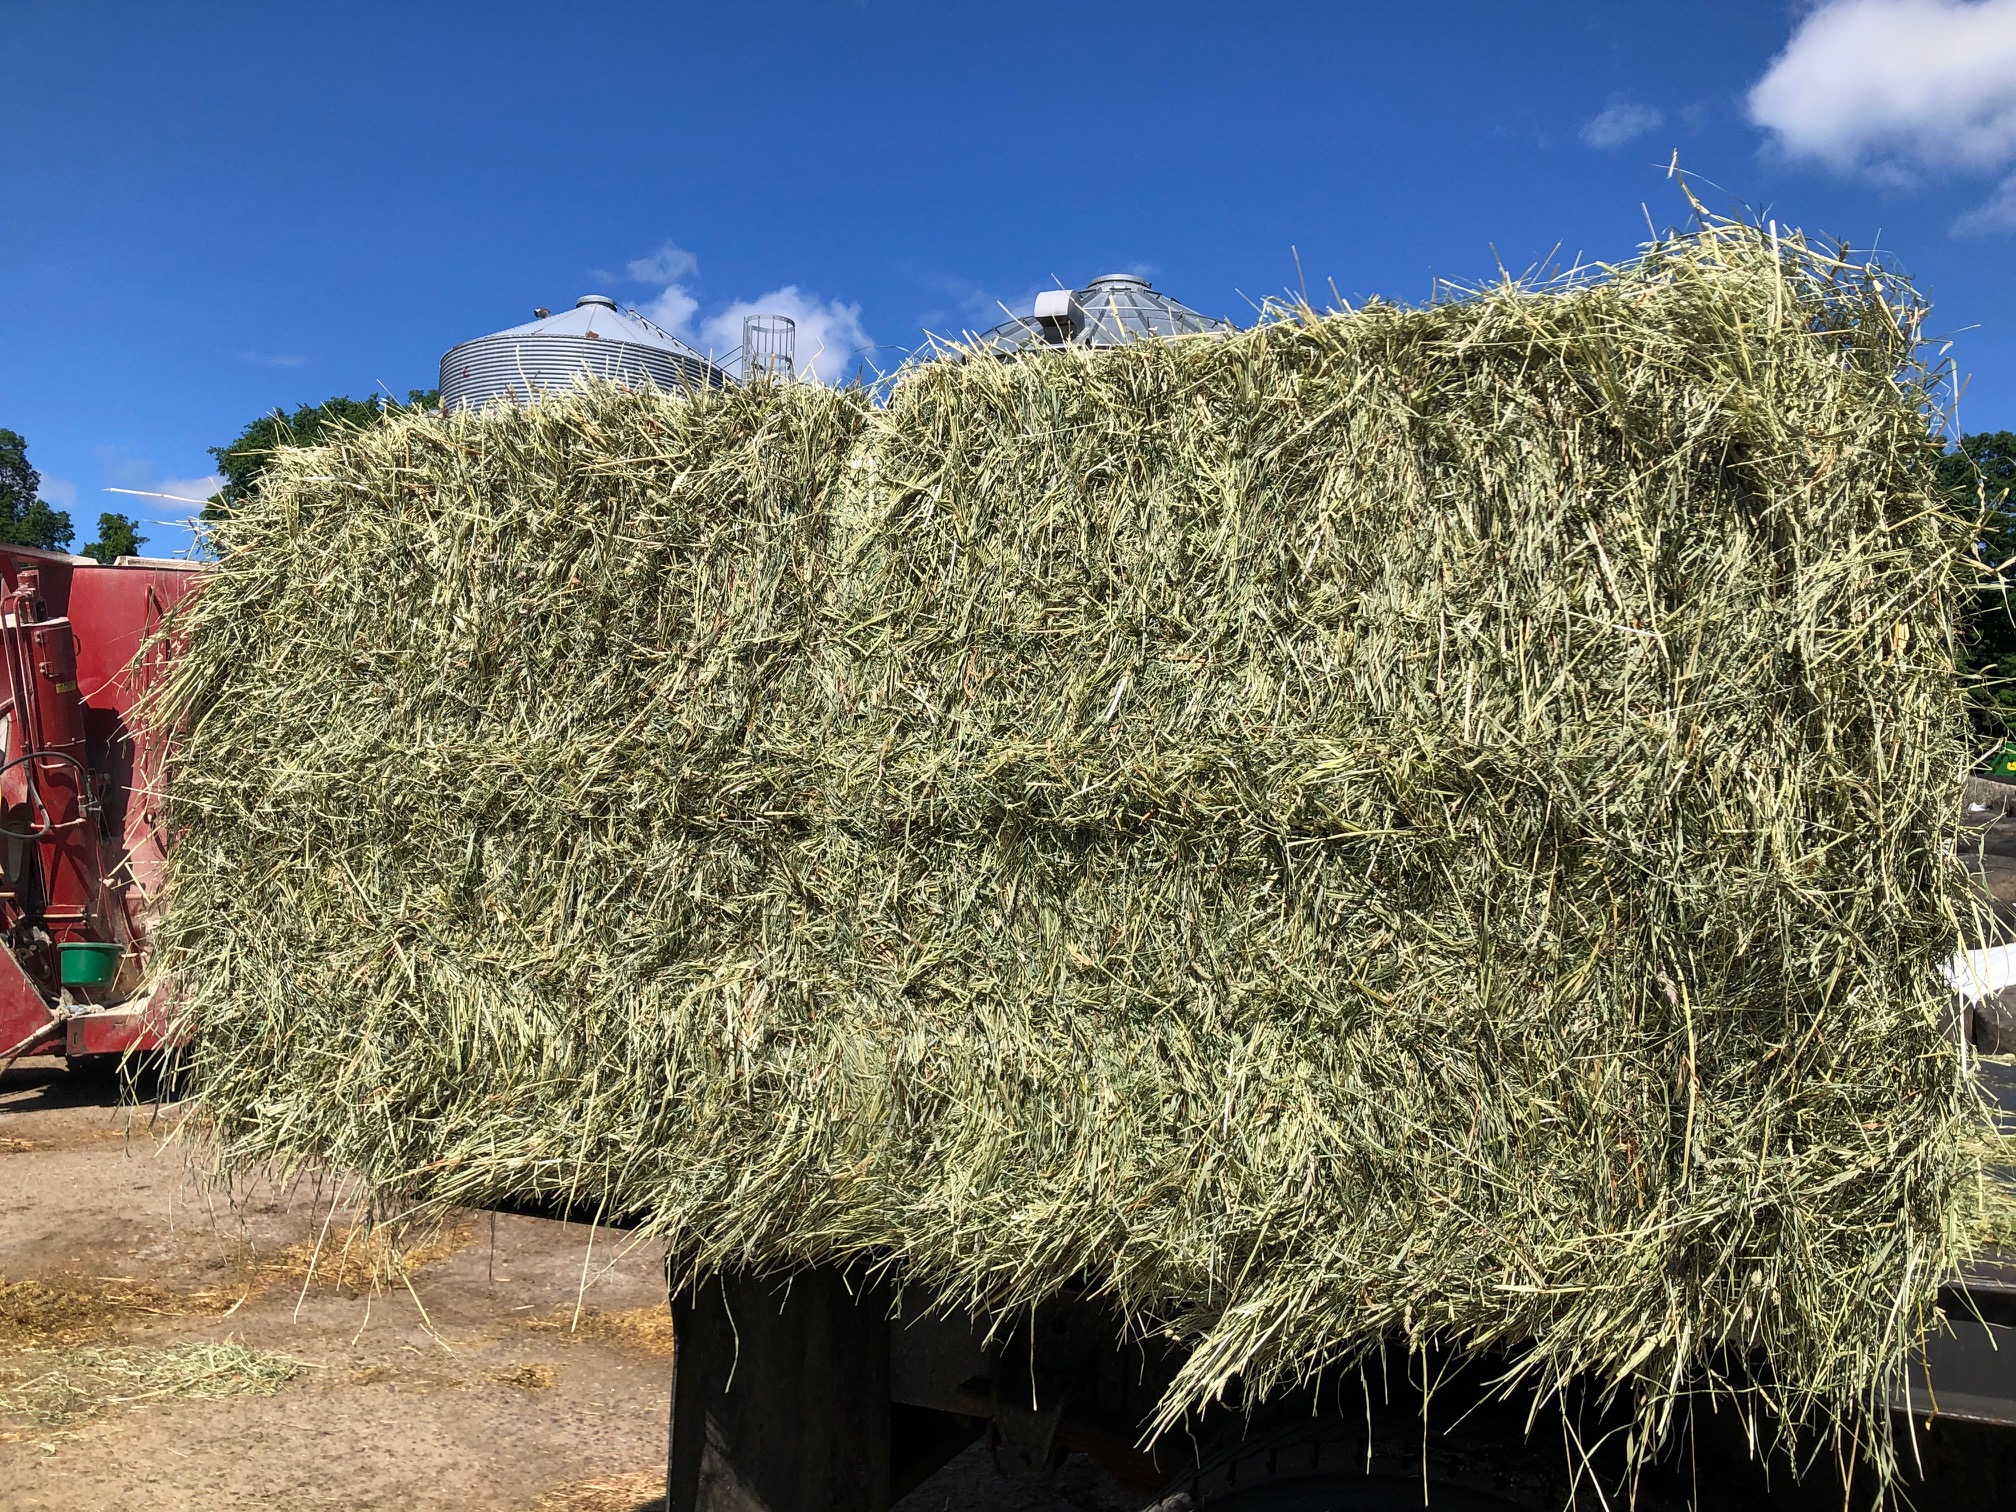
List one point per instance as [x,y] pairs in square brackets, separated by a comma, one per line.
[1422,822]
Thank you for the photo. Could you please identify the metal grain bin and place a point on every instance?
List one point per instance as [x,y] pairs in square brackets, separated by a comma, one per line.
[1107,312]
[553,352]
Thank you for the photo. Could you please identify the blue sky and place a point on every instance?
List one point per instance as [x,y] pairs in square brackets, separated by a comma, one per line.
[207,211]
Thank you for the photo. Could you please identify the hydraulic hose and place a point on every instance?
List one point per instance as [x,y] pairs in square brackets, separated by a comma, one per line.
[46,827]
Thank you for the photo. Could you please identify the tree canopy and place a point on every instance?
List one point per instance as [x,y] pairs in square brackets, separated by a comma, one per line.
[1980,472]
[118,535]
[26,518]
[242,460]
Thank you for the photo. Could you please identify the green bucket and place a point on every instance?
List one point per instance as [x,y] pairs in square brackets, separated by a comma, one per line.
[89,965]
[2004,764]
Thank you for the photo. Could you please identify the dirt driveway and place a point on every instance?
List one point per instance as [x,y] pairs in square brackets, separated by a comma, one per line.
[163,1348]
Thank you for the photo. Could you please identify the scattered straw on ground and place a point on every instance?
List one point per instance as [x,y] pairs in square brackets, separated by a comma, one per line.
[73,1310]
[12,1145]
[639,1491]
[534,1375]
[57,1389]
[646,1329]
[94,1309]
[360,1258]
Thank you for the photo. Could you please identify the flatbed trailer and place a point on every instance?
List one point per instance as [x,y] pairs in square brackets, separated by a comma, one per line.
[809,1396]
[824,1394]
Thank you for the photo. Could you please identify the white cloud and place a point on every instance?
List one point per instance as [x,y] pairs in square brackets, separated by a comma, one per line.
[1619,122]
[669,264]
[830,334]
[271,359]
[1897,89]
[674,310]
[129,472]
[59,491]
[1998,214]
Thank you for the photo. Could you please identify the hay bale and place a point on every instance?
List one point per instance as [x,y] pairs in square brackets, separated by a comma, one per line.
[1418,822]
[472,736]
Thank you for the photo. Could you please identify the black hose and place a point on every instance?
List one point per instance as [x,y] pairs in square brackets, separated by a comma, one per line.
[35,793]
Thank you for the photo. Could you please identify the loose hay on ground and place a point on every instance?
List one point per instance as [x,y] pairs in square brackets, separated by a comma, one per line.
[59,1389]
[363,1257]
[75,1310]
[534,1375]
[648,1329]
[638,1491]
[1424,823]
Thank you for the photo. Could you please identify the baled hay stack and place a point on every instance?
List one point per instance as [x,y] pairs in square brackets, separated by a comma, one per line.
[1415,821]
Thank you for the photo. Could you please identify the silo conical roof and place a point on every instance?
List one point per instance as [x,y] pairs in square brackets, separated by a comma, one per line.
[596,337]
[1109,311]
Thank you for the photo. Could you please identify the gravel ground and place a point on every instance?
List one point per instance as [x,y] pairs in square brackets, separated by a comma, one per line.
[472,1389]
[522,1364]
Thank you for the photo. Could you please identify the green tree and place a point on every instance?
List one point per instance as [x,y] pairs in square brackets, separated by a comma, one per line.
[27,519]
[241,462]
[117,536]
[1980,473]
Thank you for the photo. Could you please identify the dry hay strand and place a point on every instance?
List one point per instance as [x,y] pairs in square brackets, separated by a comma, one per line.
[75,1384]
[638,1491]
[1989,1200]
[1424,824]
[68,1311]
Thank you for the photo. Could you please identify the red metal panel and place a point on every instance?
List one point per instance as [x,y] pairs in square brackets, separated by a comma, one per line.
[22,1010]
[54,566]
[113,611]
[73,862]
[114,1031]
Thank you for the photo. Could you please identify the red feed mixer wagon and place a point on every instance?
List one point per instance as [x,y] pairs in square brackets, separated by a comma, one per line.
[81,845]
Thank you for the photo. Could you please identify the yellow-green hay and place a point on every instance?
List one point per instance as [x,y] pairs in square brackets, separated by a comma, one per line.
[1411,822]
